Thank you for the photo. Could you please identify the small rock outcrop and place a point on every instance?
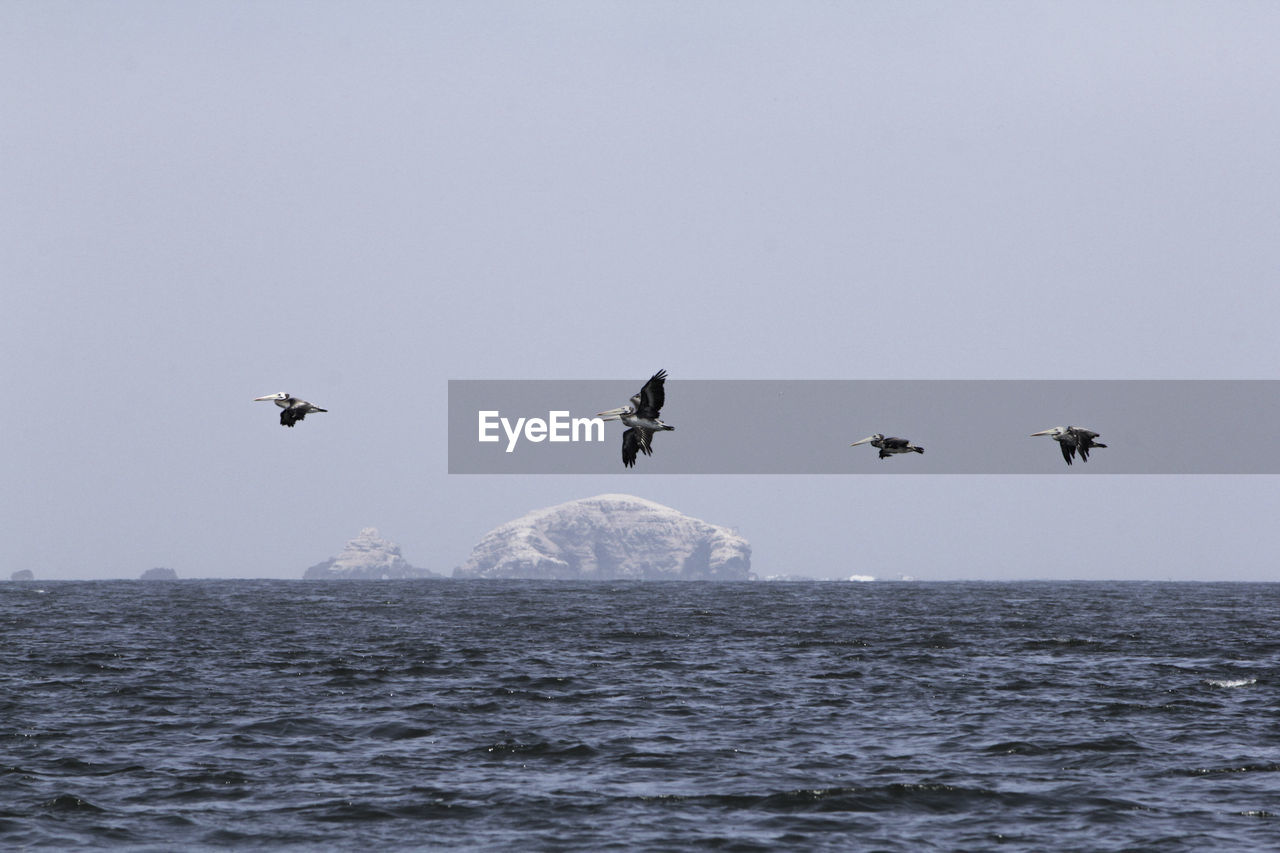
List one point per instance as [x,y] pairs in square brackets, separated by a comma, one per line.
[159,575]
[22,575]
[610,537]
[367,557]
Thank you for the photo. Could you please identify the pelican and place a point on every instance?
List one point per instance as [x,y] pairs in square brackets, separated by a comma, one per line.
[292,409]
[1070,439]
[889,446]
[642,418]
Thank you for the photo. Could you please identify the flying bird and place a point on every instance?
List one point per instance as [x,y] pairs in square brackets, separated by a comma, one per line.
[292,409]
[642,418]
[1072,439]
[889,446]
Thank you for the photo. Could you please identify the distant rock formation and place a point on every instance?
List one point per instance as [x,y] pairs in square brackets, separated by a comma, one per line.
[159,575]
[610,537]
[22,575]
[367,557]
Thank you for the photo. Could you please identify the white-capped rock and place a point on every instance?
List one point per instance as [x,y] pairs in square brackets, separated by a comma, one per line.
[367,557]
[610,537]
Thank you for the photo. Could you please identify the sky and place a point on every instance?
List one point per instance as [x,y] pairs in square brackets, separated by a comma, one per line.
[204,203]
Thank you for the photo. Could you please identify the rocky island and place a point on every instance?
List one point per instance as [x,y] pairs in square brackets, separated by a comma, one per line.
[23,575]
[610,537]
[367,557]
[159,575]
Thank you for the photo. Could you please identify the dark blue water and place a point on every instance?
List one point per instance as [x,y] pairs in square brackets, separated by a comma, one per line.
[519,715]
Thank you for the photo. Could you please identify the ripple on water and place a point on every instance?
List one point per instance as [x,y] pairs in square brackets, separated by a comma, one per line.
[529,715]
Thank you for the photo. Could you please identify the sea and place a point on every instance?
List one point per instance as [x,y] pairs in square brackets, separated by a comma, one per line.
[544,715]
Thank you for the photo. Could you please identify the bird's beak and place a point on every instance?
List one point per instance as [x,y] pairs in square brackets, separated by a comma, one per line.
[1043,432]
[863,441]
[268,397]
[612,414]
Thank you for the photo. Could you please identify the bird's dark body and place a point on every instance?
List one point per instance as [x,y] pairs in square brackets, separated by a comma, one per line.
[295,410]
[1077,440]
[890,446]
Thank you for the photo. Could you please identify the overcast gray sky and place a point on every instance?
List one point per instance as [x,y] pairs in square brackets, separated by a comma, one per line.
[207,202]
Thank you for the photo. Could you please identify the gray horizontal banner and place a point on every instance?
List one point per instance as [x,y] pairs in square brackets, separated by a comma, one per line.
[806,426]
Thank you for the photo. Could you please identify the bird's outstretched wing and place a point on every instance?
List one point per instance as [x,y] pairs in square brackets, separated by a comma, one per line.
[630,446]
[291,415]
[652,396]
[636,440]
[1068,450]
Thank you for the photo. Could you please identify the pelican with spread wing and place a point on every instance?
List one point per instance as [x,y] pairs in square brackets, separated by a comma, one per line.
[641,418]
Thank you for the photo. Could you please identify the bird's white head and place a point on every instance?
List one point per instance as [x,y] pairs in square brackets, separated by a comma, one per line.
[279,395]
[1054,431]
[867,440]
